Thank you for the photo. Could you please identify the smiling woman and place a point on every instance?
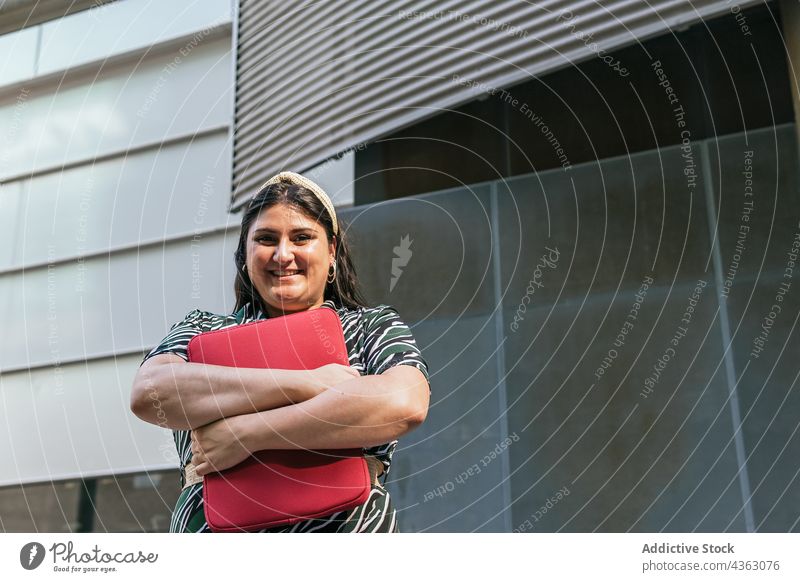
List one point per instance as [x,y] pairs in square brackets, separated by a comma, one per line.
[292,256]
[286,261]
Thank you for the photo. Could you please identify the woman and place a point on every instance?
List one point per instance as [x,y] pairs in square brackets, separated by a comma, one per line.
[291,256]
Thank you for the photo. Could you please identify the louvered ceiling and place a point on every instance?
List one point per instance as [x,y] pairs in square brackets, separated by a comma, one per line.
[317,78]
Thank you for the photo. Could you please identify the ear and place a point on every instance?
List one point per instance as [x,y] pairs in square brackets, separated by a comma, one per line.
[332,247]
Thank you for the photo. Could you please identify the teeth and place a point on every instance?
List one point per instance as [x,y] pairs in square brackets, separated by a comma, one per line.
[284,273]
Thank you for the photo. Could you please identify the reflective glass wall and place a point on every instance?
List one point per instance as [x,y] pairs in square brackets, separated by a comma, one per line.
[139,502]
[613,347]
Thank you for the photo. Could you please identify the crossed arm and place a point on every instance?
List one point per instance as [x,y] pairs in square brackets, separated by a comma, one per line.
[233,411]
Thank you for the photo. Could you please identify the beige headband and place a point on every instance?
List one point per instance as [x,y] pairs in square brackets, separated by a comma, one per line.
[298,180]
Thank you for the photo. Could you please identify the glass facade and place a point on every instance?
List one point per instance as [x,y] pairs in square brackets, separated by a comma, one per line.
[597,346]
[139,502]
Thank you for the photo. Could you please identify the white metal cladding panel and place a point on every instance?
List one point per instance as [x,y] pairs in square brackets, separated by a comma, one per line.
[321,77]
[75,421]
[145,141]
[87,309]
[118,109]
[153,194]
[123,26]
[18,60]
[10,199]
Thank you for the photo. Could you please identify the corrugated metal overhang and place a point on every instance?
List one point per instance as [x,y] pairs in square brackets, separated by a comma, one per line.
[317,78]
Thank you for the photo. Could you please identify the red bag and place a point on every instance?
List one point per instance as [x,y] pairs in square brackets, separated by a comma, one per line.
[280,487]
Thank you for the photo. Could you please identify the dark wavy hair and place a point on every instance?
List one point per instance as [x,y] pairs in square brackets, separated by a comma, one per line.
[344,290]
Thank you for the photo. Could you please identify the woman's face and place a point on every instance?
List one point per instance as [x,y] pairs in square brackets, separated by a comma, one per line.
[288,259]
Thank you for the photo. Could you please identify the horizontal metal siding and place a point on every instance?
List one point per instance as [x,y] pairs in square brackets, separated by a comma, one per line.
[324,77]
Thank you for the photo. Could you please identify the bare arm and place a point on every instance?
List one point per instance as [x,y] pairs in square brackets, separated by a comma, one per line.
[362,412]
[170,392]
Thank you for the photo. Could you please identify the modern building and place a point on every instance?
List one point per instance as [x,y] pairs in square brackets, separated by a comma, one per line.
[587,211]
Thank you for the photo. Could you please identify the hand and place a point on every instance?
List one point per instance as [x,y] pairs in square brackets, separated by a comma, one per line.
[320,379]
[219,445]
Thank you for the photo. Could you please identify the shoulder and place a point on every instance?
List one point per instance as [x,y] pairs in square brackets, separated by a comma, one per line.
[380,313]
[382,316]
[389,341]
[204,320]
[368,317]
[196,316]
[383,322]
[181,333]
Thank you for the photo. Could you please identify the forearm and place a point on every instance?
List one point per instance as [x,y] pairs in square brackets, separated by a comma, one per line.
[362,412]
[187,395]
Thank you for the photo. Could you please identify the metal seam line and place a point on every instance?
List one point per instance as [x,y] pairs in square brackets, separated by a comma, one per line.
[725,332]
[500,357]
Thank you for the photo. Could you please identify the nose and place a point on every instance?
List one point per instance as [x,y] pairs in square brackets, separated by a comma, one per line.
[284,252]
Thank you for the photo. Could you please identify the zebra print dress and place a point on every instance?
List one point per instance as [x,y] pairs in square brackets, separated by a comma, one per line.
[376,340]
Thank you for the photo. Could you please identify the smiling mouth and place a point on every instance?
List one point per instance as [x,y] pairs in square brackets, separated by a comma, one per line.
[285,274]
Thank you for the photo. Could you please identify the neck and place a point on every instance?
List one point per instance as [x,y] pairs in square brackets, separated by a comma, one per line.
[279,312]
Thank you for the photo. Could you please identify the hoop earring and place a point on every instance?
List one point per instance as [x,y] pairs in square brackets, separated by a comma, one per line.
[332,277]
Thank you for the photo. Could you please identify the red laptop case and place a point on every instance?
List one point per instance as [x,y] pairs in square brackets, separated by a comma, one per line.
[280,487]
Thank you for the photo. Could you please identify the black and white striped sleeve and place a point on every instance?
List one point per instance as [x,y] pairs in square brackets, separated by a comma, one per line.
[389,343]
[177,340]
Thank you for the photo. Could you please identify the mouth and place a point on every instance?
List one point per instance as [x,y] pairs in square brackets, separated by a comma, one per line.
[286,275]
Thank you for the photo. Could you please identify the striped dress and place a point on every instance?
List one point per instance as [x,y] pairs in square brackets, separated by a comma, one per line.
[376,339]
